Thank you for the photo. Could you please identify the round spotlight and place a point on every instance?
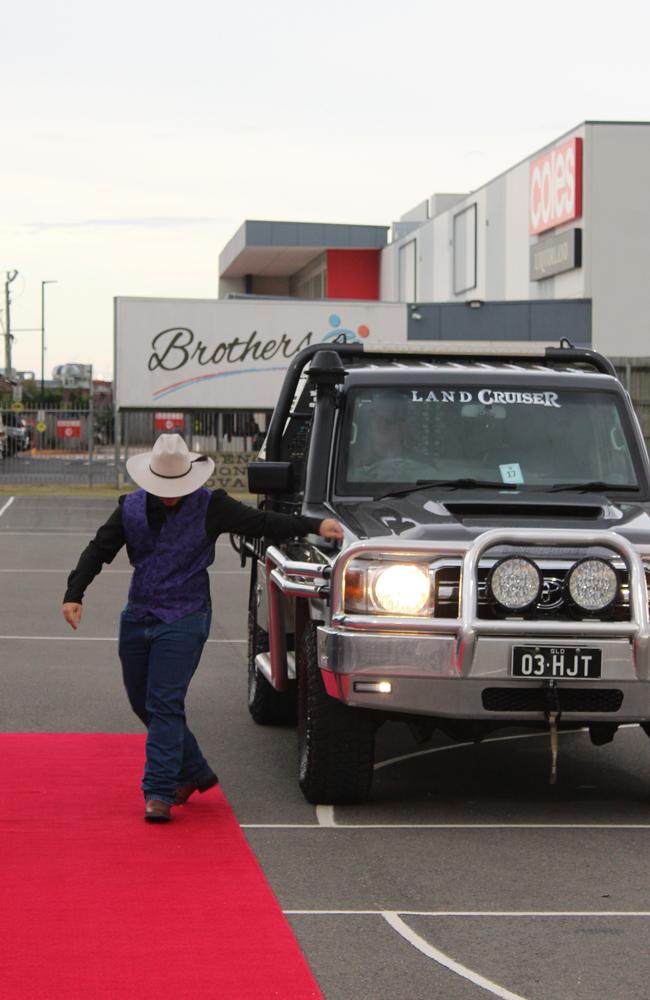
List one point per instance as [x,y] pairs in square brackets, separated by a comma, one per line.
[515,583]
[592,584]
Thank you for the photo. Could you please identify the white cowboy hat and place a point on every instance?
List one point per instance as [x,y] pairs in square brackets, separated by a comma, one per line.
[170,469]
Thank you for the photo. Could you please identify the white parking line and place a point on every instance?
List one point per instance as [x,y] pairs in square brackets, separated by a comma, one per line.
[108,572]
[325,816]
[394,919]
[72,534]
[471,743]
[446,961]
[93,638]
[7,505]
[280,826]
[445,826]
[40,531]
[471,913]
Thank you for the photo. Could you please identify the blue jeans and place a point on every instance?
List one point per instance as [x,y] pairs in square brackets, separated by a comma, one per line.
[158,663]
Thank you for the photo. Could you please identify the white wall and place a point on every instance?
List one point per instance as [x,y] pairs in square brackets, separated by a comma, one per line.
[619,195]
[615,223]
[389,273]
[516,261]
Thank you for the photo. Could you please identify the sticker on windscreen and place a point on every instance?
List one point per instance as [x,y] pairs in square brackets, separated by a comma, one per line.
[486,397]
[511,473]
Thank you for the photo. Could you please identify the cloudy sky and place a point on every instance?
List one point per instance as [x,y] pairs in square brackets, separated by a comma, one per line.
[136,137]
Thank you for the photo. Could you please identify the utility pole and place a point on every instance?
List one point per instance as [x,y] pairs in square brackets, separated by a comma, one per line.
[43,284]
[11,275]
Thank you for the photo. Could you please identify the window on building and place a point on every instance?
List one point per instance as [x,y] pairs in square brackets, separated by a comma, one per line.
[309,281]
[465,250]
[408,272]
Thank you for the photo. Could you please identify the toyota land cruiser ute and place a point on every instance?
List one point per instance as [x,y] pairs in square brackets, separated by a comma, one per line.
[495,565]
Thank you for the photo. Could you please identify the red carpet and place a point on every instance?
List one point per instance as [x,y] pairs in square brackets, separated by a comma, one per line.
[94,902]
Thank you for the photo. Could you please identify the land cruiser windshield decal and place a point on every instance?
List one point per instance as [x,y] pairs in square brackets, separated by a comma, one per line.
[485,396]
[521,436]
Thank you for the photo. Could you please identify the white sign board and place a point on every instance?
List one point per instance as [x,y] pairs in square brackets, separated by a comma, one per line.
[230,353]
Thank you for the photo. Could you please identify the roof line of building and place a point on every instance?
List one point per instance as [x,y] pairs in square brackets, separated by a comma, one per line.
[548,145]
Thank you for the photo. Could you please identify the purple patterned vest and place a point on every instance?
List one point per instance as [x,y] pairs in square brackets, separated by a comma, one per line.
[169,578]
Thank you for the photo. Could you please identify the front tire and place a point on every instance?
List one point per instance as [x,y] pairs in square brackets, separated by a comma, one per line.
[336,743]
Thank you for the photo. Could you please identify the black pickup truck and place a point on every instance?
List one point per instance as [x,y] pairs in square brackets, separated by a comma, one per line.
[496,557]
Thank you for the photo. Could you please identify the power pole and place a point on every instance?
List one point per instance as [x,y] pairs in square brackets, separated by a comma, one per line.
[11,275]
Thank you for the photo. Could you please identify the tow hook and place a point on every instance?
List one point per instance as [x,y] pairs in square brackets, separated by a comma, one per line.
[553,714]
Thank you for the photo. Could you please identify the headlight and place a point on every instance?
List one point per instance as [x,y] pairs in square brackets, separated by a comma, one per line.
[515,583]
[401,589]
[592,584]
[389,588]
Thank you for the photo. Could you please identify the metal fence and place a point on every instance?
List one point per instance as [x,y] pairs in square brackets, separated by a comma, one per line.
[50,444]
[634,373]
[231,438]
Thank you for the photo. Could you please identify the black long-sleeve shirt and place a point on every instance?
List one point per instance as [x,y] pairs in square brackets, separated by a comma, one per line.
[223,514]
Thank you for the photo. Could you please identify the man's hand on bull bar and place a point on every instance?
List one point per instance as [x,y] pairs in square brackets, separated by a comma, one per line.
[329,528]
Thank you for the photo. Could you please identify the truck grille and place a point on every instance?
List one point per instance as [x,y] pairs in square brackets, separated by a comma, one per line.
[529,699]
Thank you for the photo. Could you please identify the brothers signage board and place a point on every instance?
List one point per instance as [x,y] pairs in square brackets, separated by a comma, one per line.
[230,353]
[556,187]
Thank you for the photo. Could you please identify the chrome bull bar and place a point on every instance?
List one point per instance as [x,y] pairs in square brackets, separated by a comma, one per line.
[285,577]
[467,627]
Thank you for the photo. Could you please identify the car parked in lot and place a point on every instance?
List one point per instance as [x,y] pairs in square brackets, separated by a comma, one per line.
[496,559]
[18,433]
[3,439]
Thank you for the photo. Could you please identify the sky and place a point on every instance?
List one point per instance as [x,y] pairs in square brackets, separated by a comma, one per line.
[137,136]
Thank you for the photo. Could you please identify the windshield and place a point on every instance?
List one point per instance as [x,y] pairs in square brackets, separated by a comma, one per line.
[539,438]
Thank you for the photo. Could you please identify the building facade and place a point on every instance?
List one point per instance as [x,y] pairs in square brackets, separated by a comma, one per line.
[558,245]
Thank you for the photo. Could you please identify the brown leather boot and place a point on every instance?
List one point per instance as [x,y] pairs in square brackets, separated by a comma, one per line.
[156,811]
[183,792]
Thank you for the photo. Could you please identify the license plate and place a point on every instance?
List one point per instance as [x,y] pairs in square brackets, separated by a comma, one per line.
[576,662]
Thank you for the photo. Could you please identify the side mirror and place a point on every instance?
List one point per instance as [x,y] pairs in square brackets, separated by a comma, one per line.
[270,477]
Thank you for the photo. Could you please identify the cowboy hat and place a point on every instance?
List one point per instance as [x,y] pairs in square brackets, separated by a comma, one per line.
[170,469]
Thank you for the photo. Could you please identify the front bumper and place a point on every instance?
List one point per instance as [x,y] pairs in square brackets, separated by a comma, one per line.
[425,678]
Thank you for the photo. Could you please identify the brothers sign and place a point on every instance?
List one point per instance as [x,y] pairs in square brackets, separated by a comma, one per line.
[229,354]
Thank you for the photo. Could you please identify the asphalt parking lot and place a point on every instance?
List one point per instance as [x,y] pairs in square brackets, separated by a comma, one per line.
[466,876]
[27,468]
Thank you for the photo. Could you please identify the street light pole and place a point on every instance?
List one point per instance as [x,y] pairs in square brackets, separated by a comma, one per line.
[10,277]
[43,284]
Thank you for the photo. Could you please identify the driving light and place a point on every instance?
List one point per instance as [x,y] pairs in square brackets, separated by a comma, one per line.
[515,583]
[592,584]
[401,589]
[373,687]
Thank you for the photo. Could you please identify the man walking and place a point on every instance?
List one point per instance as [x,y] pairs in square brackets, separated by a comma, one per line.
[170,526]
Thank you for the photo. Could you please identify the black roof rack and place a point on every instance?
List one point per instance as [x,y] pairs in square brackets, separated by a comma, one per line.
[580,355]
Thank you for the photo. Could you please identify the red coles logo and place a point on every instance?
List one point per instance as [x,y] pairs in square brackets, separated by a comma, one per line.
[556,187]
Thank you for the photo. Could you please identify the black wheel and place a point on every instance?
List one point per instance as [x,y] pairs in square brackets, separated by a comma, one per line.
[336,743]
[267,706]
